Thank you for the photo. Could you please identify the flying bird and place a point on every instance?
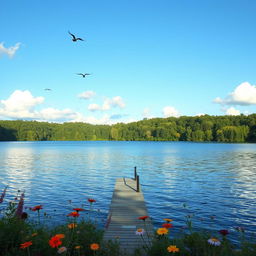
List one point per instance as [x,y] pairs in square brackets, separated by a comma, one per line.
[74,39]
[81,74]
[47,89]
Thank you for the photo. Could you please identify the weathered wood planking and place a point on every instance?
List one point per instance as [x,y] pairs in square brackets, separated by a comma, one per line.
[126,206]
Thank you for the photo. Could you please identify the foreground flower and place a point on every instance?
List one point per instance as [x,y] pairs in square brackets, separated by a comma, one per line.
[143,218]
[60,236]
[162,231]
[74,214]
[37,208]
[79,209]
[3,195]
[55,242]
[62,249]
[224,232]
[167,225]
[168,220]
[25,245]
[140,231]
[173,248]
[94,247]
[72,225]
[77,247]
[19,210]
[34,234]
[214,241]
[90,200]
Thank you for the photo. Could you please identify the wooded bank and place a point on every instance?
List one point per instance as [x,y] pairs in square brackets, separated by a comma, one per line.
[201,129]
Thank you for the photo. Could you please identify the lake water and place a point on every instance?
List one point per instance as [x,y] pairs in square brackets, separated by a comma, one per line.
[211,179]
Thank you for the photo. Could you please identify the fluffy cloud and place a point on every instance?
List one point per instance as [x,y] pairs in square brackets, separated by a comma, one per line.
[86,95]
[232,112]
[114,102]
[53,114]
[244,94]
[108,104]
[9,51]
[20,101]
[22,104]
[94,107]
[170,111]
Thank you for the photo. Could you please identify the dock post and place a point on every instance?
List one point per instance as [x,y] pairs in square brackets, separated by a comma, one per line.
[135,173]
[138,183]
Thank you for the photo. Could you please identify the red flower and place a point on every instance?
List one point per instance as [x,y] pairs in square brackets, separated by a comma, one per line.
[74,214]
[143,218]
[79,209]
[223,232]
[91,200]
[55,241]
[25,245]
[37,208]
[167,225]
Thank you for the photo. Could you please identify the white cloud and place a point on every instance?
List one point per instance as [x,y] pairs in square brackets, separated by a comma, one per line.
[86,95]
[244,94]
[232,112]
[170,111]
[116,101]
[9,51]
[94,107]
[54,114]
[22,105]
[108,104]
[21,101]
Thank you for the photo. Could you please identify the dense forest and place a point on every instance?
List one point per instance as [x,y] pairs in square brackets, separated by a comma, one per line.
[185,128]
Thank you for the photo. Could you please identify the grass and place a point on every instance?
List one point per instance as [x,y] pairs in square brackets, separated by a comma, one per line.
[21,235]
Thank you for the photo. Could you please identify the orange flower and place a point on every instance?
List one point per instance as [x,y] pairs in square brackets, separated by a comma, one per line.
[162,231]
[60,236]
[168,220]
[37,208]
[77,247]
[74,214]
[90,200]
[95,247]
[34,234]
[143,218]
[173,248]
[72,225]
[79,209]
[55,242]
[25,245]
[167,225]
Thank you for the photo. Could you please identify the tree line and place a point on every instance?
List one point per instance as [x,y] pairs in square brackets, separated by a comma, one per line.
[185,128]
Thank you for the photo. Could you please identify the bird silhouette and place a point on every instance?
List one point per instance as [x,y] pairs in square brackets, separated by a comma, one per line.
[47,89]
[81,74]
[74,39]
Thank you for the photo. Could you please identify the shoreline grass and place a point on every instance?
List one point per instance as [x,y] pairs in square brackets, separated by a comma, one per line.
[23,235]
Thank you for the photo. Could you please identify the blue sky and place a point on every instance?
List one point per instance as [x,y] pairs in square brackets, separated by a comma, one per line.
[146,59]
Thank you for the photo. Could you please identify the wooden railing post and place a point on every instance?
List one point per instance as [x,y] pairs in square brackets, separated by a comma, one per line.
[138,183]
[135,173]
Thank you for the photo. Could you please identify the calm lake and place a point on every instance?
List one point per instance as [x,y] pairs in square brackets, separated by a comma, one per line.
[216,182]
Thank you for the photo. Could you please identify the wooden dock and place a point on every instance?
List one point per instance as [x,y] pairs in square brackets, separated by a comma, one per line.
[127,206]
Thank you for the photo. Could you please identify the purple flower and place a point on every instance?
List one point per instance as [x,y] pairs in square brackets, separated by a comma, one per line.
[3,195]
[19,210]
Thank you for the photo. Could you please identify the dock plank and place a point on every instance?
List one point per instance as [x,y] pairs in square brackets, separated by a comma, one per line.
[127,205]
